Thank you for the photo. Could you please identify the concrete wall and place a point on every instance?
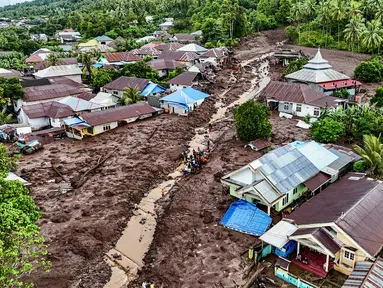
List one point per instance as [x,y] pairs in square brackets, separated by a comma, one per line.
[35,123]
[292,109]
[116,93]
[100,128]
[175,87]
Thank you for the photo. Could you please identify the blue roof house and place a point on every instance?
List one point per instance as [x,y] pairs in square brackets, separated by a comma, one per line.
[183,101]
[152,89]
[282,175]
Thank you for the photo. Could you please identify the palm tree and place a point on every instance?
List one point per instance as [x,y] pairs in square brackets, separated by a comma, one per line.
[296,15]
[372,153]
[378,7]
[324,16]
[52,60]
[354,30]
[87,61]
[371,36]
[131,96]
[4,116]
[354,9]
[366,8]
[309,9]
[338,13]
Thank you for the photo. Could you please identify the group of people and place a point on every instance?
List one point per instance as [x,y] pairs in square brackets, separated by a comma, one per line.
[194,161]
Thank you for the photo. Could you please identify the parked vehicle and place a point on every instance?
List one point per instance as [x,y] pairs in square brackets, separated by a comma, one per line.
[29,147]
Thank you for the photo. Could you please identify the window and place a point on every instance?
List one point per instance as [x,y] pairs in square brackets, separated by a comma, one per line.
[349,255]
[106,127]
[316,111]
[299,107]
[295,191]
[286,106]
[115,92]
[285,200]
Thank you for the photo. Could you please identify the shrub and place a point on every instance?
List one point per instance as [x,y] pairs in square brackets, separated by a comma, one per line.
[369,71]
[327,130]
[307,118]
[292,33]
[252,121]
[295,66]
[378,98]
[343,93]
[359,166]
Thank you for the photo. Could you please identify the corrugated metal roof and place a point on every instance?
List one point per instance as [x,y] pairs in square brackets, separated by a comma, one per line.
[342,161]
[267,192]
[193,48]
[317,154]
[121,56]
[123,82]
[62,61]
[316,76]
[60,70]
[163,64]
[318,180]
[247,218]
[147,51]
[78,104]
[354,203]
[366,275]
[173,46]
[117,114]
[179,56]
[184,37]
[45,92]
[185,78]
[48,109]
[277,235]
[215,53]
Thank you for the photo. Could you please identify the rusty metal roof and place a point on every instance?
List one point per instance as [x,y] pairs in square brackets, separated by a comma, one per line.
[355,204]
[48,109]
[147,51]
[321,236]
[53,91]
[62,61]
[317,181]
[179,56]
[365,275]
[117,114]
[297,93]
[216,53]
[173,46]
[184,37]
[124,82]
[185,78]
[121,56]
[163,64]
[86,96]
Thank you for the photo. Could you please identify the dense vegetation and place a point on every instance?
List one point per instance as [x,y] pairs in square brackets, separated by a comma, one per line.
[22,247]
[221,21]
[252,121]
[370,71]
[341,24]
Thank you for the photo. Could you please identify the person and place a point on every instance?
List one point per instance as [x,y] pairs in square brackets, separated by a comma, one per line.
[210,127]
[163,192]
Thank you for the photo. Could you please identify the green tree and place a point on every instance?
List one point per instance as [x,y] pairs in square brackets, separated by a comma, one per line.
[372,35]
[338,14]
[52,60]
[354,30]
[369,71]
[87,61]
[327,130]
[378,98]
[22,248]
[372,153]
[5,117]
[12,89]
[131,95]
[252,121]
[100,78]
[294,66]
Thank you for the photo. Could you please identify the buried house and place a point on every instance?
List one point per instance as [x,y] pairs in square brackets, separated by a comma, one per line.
[94,123]
[279,178]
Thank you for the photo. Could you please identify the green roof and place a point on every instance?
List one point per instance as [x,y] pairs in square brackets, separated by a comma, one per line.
[103,38]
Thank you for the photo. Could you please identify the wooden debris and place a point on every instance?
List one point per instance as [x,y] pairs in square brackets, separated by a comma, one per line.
[152,134]
[252,279]
[58,172]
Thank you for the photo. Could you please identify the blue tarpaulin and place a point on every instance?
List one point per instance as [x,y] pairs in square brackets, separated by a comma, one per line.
[152,88]
[184,97]
[245,217]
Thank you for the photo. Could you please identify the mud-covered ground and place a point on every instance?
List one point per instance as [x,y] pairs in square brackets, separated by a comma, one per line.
[190,247]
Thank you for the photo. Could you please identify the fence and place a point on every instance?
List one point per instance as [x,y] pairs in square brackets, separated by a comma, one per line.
[292,279]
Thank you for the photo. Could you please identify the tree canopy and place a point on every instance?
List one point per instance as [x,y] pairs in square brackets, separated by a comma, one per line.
[252,121]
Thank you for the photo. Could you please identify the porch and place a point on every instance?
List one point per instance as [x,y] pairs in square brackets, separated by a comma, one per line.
[313,262]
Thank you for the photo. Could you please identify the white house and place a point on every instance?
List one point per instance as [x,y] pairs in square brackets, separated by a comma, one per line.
[297,99]
[72,72]
[183,80]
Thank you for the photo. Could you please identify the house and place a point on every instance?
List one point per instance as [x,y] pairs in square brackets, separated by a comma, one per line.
[72,72]
[78,104]
[166,25]
[187,58]
[46,90]
[103,40]
[44,114]
[183,38]
[183,101]
[201,67]
[161,34]
[39,55]
[342,224]
[116,87]
[366,274]
[68,35]
[193,48]
[119,58]
[8,73]
[147,51]
[172,46]
[152,44]
[183,80]
[62,61]
[106,100]
[298,99]
[91,124]
[283,175]
[86,96]
[90,44]
[152,89]
[318,74]
[215,55]
[146,39]
[39,37]
[163,66]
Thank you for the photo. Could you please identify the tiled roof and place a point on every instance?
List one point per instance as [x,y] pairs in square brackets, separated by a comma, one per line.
[123,82]
[117,114]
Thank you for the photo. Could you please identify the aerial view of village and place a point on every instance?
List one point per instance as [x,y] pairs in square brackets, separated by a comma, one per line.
[191,143]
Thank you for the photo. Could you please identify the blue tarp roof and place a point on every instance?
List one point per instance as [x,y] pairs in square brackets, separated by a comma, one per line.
[245,217]
[185,96]
[75,121]
[152,88]
[97,65]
